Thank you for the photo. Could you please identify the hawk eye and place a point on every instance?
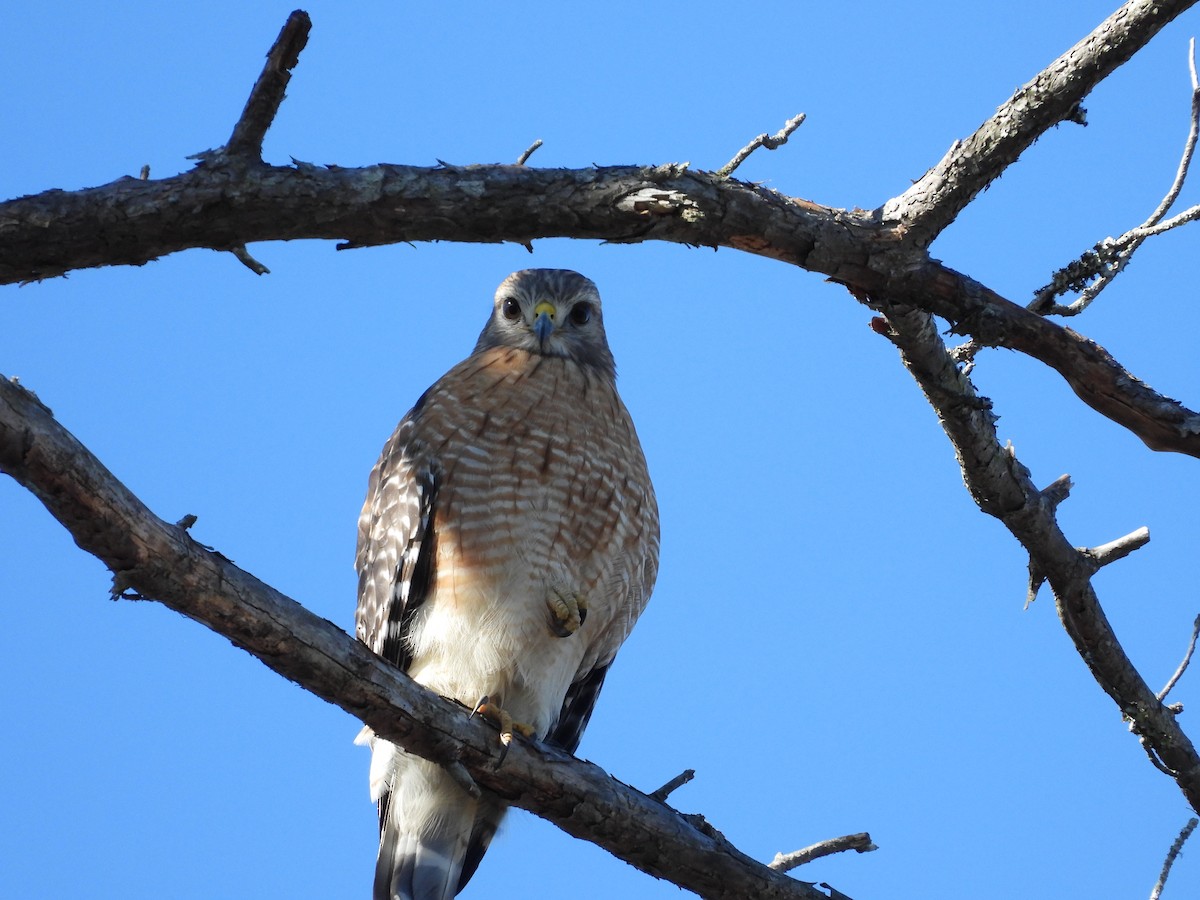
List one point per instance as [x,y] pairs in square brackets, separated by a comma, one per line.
[581,313]
[510,309]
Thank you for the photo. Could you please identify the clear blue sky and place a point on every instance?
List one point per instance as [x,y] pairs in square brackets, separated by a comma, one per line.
[836,642]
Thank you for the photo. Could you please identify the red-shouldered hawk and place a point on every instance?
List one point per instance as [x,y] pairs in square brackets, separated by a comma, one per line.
[508,542]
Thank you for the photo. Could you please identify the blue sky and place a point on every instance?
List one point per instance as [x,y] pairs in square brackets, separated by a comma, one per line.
[836,642]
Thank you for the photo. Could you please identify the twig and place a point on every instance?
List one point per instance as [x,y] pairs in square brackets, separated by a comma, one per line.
[268,92]
[678,781]
[1120,548]
[1152,756]
[243,256]
[785,862]
[1187,658]
[1184,834]
[524,157]
[763,140]
[1109,257]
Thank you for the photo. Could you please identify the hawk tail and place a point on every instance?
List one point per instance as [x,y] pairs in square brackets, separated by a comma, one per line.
[432,834]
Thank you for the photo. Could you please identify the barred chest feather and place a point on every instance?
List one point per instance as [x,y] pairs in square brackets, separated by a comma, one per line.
[540,475]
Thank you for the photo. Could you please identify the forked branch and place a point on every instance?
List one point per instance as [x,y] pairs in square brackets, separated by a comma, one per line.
[1002,487]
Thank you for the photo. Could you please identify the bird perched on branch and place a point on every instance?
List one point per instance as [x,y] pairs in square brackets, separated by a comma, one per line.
[508,542]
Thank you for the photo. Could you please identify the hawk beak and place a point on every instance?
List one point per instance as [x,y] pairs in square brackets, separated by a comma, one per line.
[543,320]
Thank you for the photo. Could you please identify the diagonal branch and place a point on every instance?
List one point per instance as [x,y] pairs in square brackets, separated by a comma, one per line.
[1172,855]
[159,561]
[1002,487]
[1183,665]
[1053,96]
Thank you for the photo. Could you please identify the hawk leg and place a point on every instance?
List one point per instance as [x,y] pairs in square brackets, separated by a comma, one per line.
[568,611]
[502,720]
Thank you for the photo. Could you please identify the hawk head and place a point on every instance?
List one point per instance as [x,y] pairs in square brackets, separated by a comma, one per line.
[550,312]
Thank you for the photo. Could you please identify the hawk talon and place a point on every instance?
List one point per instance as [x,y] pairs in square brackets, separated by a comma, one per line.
[499,717]
[568,611]
[478,707]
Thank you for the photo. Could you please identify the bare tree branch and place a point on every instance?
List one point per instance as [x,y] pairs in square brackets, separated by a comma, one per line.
[1187,658]
[133,221]
[1053,96]
[662,793]
[763,140]
[268,92]
[160,561]
[528,152]
[224,204]
[1002,487]
[1120,548]
[1109,257]
[785,862]
[1172,854]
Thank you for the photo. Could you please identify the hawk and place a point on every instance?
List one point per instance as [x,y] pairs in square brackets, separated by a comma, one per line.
[508,542]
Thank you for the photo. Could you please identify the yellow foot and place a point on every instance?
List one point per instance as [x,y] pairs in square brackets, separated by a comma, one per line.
[568,611]
[502,720]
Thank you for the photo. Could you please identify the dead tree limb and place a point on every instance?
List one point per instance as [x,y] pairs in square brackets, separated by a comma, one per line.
[1053,96]
[131,221]
[1002,487]
[232,199]
[155,560]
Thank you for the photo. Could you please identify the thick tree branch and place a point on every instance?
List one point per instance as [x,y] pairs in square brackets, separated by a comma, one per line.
[1053,96]
[231,199]
[1092,373]
[1002,487]
[159,561]
[133,221]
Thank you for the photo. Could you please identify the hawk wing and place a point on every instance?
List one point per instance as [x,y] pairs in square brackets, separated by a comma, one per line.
[577,710]
[396,544]
[581,697]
